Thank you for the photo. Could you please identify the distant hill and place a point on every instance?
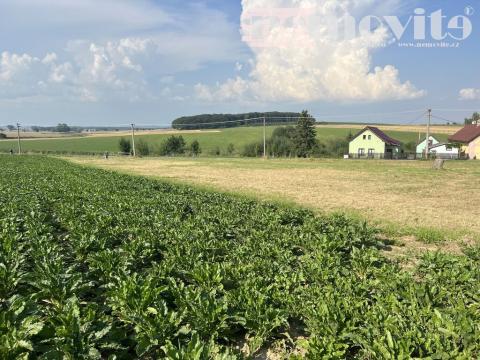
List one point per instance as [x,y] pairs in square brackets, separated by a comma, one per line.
[210,121]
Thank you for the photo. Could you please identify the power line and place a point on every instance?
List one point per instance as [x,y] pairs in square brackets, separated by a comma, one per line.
[372,114]
[442,118]
[456,110]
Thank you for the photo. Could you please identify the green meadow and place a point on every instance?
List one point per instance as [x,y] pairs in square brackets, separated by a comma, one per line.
[209,141]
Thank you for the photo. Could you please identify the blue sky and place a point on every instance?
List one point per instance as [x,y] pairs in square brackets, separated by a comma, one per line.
[113,62]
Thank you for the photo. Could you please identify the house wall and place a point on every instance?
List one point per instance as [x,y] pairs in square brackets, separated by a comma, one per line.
[442,151]
[423,144]
[473,149]
[374,143]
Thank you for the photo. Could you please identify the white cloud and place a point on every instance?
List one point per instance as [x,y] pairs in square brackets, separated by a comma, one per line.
[296,58]
[106,67]
[469,94]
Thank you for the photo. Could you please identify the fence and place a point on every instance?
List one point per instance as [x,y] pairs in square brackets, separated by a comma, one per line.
[384,156]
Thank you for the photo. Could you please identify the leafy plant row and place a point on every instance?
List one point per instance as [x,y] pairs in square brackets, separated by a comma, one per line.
[95,264]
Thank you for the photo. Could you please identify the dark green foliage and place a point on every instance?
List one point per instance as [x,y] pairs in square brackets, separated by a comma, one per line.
[174,145]
[411,147]
[125,146]
[195,149]
[230,149]
[230,120]
[252,150]
[305,138]
[100,265]
[474,119]
[216,151]
[3,136]
[142,148]
[282,142]
[62,128]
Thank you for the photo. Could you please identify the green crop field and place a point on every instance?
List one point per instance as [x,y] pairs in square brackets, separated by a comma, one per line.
[100,265]
[209,141]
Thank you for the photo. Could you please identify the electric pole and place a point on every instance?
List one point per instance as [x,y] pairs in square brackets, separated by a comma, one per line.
[264,137]
[133,140]
[427,146]
[18,139]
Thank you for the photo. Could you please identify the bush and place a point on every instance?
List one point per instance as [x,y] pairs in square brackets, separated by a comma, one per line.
[142,148]
[230,149]
[125,146]
[215,151]
[195,148]
[3,136]
[252,150]
[174,145]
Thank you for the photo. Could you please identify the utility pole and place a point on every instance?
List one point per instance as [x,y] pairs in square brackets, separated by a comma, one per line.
[133,140]
[18,139]
[427,145]
[264,137]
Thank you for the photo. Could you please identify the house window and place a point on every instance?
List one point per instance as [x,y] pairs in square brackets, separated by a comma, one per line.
[361,152]
[364,137]
[369,137]
[449,148]
[371,152]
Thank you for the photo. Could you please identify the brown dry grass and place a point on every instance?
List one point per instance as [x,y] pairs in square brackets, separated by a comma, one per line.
[394,194]
[436,129]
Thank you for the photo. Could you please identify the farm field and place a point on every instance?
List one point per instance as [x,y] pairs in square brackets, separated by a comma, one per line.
[209,140]
[402,197]
[103,265]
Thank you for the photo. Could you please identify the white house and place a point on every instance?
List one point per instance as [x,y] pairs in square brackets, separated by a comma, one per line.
[444,151]
[421,146]
[437,149]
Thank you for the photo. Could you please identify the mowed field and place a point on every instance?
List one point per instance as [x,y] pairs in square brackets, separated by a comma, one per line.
[404,198]
[209,141]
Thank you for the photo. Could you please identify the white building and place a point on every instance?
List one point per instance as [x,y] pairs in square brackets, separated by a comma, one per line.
[444,151]
[421,146]
[437,149]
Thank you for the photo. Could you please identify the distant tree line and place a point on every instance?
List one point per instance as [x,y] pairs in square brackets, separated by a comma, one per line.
[474,119]
[211,121]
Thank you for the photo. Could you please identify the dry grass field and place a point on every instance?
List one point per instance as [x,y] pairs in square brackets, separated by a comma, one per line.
[436,129]
[404,198]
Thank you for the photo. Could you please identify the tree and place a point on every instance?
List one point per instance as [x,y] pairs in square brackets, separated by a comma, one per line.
[3,136]
[125,146]
[474,119]
[142,148]
[174,145]
[10,127]
[305,137]
[195,148]
[62,128]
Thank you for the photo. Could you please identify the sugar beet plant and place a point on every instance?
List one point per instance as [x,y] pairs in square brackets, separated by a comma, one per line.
[98,265]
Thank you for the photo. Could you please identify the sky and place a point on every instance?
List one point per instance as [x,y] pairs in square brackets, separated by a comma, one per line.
[116,62]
